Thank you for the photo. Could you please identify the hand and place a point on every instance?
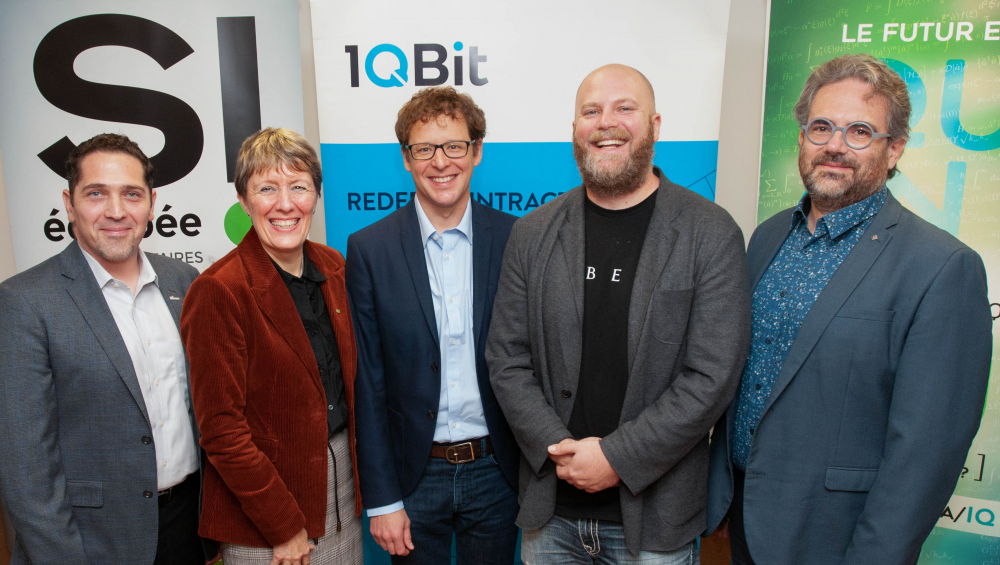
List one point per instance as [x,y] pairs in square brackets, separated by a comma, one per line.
[723,530]
[561,459]
[294,551]
[587,469]
[392,532]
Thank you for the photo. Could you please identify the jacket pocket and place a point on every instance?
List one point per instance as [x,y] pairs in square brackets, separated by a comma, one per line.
[850,479]
[669,314]
[87,494]
[867,314]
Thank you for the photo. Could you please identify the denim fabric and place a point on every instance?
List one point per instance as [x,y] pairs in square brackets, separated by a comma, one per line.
[562,541]
[471,500]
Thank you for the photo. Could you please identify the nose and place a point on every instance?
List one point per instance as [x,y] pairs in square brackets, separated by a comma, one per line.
[285,199]
[837,143]
[115,208]
[608,120]
[439,160]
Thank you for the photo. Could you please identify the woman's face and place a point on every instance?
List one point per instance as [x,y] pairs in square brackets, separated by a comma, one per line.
[281,203]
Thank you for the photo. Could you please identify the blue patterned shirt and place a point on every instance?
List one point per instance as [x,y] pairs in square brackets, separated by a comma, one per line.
[783,298]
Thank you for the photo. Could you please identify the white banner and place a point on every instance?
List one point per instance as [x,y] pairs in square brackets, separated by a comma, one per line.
[522,62]
[187,80]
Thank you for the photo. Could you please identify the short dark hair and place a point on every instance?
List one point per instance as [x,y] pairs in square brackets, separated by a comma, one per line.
[432,102]
[271,148]
[885,83]
[108,143]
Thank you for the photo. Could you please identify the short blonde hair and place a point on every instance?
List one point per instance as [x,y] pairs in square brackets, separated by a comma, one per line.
[272,148]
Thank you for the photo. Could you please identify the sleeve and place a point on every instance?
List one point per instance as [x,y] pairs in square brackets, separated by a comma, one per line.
[937,403]
[717,340]
[376,462]
[216,347]
[517,387]
[32,480]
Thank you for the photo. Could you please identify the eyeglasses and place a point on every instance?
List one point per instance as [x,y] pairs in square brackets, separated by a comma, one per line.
[857,135]
[452,149]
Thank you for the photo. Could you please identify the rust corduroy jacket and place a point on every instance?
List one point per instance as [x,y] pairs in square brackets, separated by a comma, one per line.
[258,397]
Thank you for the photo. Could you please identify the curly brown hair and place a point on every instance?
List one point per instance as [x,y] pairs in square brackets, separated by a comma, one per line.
[432,102]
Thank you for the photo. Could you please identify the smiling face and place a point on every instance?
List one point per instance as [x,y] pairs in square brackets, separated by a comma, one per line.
[110,207]
[442,182]
[614,131]
[836,176]
[281,203]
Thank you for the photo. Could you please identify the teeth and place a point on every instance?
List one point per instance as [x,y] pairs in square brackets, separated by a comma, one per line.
[606,142]
[284,223]
[443,179]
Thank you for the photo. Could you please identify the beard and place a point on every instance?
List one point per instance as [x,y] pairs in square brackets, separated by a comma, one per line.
[115,251]
[831,191]
[628,172]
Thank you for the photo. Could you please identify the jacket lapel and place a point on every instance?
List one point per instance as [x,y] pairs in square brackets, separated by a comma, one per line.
[88,297]
[572,241]
[413,251]
[656,250]
[482,247]
[275,302]
[840,287]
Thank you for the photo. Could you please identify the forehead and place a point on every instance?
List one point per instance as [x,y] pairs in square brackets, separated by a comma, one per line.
[612,85]
[439,129]
[282,171]
[111,168]
[849,101]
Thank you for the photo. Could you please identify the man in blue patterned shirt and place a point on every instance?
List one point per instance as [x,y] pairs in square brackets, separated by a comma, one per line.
[870,351]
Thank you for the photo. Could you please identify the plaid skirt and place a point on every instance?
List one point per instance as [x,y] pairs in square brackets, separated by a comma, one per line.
[334,548]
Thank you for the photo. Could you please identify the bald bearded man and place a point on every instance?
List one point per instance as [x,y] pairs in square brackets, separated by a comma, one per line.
[619,331]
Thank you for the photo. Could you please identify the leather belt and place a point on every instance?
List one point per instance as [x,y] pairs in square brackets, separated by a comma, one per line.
[463,451]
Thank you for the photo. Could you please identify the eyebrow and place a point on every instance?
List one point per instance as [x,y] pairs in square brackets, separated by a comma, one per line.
[626,100]
[102,185]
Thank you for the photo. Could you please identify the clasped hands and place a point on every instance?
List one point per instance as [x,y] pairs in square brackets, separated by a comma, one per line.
[582,464]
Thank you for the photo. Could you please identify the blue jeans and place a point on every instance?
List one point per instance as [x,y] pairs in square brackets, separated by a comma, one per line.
[563,541]
[471,500]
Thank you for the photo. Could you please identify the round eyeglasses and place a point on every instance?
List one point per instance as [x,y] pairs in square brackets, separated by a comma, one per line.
[857,135]
[452,149]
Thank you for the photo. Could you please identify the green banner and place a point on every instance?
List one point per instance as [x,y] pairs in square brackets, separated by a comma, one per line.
[948,51]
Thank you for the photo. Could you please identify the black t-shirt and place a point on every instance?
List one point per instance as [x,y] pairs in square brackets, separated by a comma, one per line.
[307,294]
[614,241]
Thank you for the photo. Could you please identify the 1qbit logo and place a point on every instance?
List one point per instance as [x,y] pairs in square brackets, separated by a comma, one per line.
[421,64]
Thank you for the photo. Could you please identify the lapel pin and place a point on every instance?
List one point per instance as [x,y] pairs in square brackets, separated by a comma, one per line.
[174,298]
[874,237]
[338,310]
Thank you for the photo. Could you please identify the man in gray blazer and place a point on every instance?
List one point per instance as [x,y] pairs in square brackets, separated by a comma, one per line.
[98,453]
[871,350]
[619,329]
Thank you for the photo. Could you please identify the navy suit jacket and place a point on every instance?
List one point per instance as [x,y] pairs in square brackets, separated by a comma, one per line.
[77,469]
[870,420]
[398,384]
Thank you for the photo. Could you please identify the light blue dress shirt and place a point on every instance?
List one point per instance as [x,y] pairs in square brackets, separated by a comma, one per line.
[449,268]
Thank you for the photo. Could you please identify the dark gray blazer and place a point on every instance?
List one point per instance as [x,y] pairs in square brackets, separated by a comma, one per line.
[74,467]
[870,419]
[689,330]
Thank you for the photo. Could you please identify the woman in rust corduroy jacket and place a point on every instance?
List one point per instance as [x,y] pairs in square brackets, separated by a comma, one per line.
[256,382]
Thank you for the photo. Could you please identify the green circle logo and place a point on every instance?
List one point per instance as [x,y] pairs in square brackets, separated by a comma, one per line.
[237,223]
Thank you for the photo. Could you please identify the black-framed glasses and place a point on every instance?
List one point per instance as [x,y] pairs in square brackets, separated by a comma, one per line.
[452,149]
[857,135]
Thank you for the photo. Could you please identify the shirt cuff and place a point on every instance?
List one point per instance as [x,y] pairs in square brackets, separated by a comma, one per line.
[388,509]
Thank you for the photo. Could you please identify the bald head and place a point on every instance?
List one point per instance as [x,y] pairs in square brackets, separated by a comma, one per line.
[622,76]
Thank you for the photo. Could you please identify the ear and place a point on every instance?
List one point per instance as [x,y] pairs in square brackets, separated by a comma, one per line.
[152,203]
[802,137]
[68,205]
[406,158]
[656,127]
[895,151]
[477,152]
[243,204]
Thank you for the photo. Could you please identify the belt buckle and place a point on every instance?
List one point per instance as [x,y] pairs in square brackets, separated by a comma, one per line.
[452,450]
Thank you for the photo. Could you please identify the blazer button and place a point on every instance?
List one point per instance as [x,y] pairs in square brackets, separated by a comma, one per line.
[147,493]
[566,393]
[434,366]
[146,440]
[431,414]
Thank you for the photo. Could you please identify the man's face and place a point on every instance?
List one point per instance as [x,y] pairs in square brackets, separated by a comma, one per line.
[110,206]
[442,182]
[614,131]
[835,175]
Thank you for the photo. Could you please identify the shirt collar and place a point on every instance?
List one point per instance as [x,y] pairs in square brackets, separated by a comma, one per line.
[427,228]
[146,273]
[840,222]
[309,271]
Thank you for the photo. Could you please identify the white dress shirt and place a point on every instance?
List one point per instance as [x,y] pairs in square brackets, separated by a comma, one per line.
[154,344]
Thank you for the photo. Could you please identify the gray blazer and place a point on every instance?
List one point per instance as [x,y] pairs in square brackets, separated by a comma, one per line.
[75,470]
[870,420]
[689,330]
